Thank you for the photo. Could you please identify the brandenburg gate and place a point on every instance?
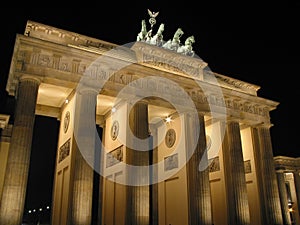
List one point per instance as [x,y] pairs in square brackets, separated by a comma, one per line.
[180,144]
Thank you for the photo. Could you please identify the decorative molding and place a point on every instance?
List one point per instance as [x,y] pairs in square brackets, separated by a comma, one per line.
[241,85]
[284,163]
[52,34]
[51,60]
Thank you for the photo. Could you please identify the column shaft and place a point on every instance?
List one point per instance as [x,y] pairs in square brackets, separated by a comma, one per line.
[154,180]
[238,207]
[101,178]
[297,187]
[15,182]
[85,133]
[199,198]
[138,197]
[272,212]
[283,198]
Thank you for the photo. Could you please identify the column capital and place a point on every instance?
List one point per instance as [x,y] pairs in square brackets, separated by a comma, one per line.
[134,101]
[84,89]
[232,120]
[263,125]
[280,171]
[296,172]
[30,77]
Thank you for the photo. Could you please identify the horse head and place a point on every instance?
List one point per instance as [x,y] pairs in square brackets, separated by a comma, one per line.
[161,29]
[178,34]
[189,41]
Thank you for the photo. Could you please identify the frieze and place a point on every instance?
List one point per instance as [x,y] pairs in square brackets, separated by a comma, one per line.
[75,66]
[96,72]
[53,61]
[248,108]
[229,103]
[56,61]
[241,85]
[287,163]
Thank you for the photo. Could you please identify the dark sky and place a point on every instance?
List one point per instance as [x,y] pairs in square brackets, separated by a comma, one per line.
[251,42]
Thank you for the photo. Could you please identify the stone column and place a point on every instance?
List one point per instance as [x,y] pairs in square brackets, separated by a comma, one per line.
[154,178]
[101,182]
[238,207]
[138,197]
[15,181]
[297,187]
[5,136]
[268,181]
[283,198]
[85,133]
[199,198]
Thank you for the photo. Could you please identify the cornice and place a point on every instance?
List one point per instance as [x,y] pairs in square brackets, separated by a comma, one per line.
[286,163]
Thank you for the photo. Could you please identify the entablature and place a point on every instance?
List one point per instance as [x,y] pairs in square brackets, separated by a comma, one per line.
[67,65]
[287,164]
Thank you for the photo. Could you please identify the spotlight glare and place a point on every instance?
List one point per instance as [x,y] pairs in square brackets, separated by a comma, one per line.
[168,119]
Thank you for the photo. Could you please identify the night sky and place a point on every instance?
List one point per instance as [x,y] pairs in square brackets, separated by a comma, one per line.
[251,42]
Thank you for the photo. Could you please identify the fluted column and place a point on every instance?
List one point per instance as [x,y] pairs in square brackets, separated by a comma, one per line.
[138,197]
[283,198]
[154,178]
[271,202]
[85,133]
[15,182]
[101,179]
[238,207]
[297,187]
[199,198]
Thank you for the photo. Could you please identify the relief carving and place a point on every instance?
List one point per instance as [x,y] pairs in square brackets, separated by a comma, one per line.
[35,56]
[44,60]
[158,58]
[247,166]
[56,61]
[75,66]
[114,157]
[64,66]
[214,164]
[171,162]
[229,103]
[64,150]
[82,68]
